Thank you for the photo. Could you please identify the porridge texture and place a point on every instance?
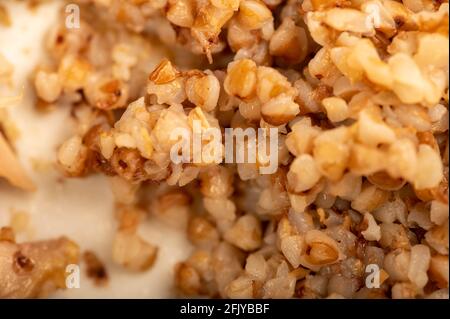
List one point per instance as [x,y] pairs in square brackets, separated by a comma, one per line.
[358,91]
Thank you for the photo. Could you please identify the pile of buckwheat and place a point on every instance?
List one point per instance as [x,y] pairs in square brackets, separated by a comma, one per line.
[357,91]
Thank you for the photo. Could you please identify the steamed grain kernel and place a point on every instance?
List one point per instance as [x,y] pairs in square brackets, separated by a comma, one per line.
[271,84]
[320,250]
[289,42]
[419,264]
[187,279]
[366,160]
[201,232]
[292,248]
[384,181]
[207,26]
[348,187]
[402,159]
[48,86]
[347,20]
[164,73]
[74,72]
[332,153]
[373,231]
[203,91]
[321,254]
[107,145]
[279,110]
[238,36]
[173,209]
[438,212]
[72,155]
[245,233]
[365,57]
[437,238]
[181,13]
[373,131]
[409,83]
[394,236]
[430,173]
[432,50]
[303,173]
[404,291]
[128,163]
[105,92]
[300,139]
[241,287]
[370,199]
[438,270]
[132,252]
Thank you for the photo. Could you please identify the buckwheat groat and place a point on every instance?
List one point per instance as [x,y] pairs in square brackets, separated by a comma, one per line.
[358,94]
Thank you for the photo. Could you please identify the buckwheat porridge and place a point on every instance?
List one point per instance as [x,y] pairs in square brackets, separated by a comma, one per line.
[231,148]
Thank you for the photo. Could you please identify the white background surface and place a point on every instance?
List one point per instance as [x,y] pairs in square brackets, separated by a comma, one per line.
[79,208]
